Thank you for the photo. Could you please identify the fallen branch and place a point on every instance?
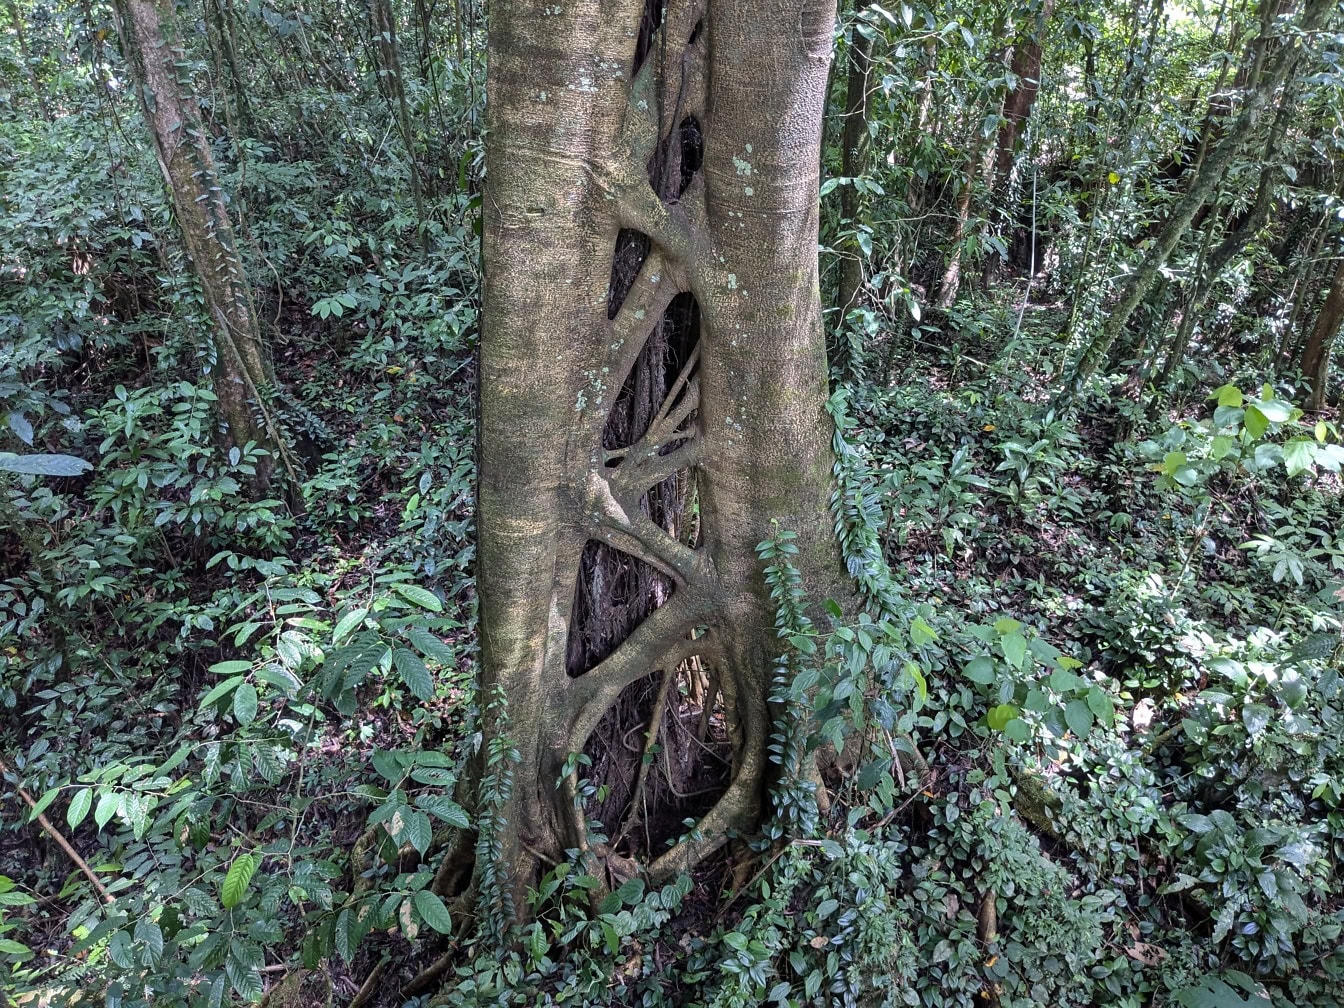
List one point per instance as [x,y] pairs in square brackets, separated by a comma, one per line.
[56,835]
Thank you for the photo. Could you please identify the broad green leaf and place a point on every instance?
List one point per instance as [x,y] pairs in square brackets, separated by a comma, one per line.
[149,937]
[106,808]
[10,947]
[1079,717]
[42,803]
[432,911]
[43,465]
[220,689]
[1212,992]
[413,673]
[1100,703]
[1256,422]
[1255,717]
[1062,681]
[278,675]
[980,670]
[1228,395]
[1221,447]
[1017,730]
[1274,410]
[421,597]
[236,881]
[347,623]
[245,704]
[22,429]
[1299,455]
[79,807]
[998,717]
[1014,649]
[430,646]
[445,808]
[408,826]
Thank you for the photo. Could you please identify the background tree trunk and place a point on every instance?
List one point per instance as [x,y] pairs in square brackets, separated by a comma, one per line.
[240,369]
[1316,354]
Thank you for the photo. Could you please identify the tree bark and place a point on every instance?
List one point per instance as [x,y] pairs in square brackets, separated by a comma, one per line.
[651,174]
[240,370]
[1316,354]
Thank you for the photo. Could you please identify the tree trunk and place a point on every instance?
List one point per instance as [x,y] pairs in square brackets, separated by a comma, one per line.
[26,58]
[1026,68]
[975,164]
[854,163]
[1202,186]
[1316,354]
[651,328]
[240,369]
[389,70]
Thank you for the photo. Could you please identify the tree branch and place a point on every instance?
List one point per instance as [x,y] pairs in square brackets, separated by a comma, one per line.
[661,640]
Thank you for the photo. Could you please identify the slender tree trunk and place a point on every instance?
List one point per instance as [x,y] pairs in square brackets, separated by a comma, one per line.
[221,15]
[854,163]
[240,368]
[1315,363]
[976,163]
[1026,68]
[389,70]
[26,58]
[656,219]
[1202,186]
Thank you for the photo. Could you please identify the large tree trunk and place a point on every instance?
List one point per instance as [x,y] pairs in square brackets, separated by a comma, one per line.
[240,368]
[652,328]
[1316,354]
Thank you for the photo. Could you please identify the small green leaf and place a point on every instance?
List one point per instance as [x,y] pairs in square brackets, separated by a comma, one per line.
[79,807]
[43,465]
[239,876]
[1256,422]
[1228,395]
[347,623]
[432,911]
[220,689]
[245,704]
[446,809]
[1256,718]
[42,803]
[106,808]
[1101,705]
[1299,455]
[230,667]
[10,947]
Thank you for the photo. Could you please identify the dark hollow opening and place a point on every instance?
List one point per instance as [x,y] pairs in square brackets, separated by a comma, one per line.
[613,594]
[648,24]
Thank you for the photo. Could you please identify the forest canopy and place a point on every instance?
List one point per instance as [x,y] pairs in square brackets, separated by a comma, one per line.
[685,504]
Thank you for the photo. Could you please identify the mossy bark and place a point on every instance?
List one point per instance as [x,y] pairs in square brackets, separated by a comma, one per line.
[640,156]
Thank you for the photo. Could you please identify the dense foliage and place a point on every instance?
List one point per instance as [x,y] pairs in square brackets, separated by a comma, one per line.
[1079,741]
